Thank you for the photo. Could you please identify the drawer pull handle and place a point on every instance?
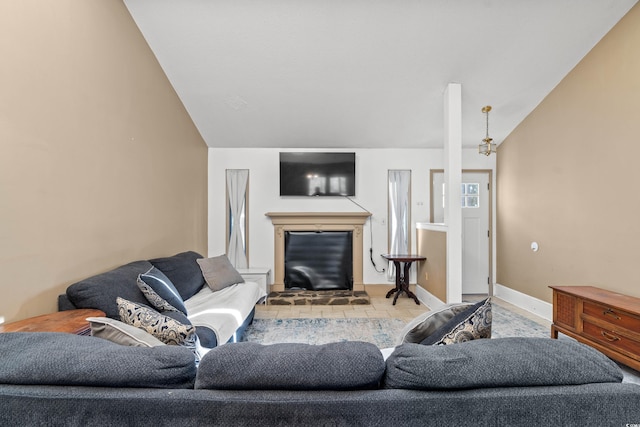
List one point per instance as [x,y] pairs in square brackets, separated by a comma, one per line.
[609,312]
[609,337]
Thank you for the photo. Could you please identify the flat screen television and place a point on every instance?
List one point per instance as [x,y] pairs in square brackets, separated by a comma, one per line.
[317,174]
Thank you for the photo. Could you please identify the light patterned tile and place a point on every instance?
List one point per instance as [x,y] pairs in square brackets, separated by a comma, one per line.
[334,314]
[266,315]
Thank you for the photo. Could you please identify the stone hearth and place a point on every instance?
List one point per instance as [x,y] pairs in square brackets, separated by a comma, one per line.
[306,297]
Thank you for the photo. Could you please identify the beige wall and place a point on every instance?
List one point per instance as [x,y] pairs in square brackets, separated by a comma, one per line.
[100,163]
[566,178]
[432,274]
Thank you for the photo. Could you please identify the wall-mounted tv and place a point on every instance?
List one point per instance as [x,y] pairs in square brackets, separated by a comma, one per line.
[317,174]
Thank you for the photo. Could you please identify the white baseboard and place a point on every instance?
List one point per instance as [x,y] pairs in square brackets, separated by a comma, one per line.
[427,298]
[524,301]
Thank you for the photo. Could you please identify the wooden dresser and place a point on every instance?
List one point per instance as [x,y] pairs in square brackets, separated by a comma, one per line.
[607,321]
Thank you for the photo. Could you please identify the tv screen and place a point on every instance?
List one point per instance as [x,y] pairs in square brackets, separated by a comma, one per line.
[317,174]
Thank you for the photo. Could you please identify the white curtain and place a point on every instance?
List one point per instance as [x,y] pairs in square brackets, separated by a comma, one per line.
[399,226]
[237,180]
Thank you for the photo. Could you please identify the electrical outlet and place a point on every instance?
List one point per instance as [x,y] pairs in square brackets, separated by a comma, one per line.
[426,276]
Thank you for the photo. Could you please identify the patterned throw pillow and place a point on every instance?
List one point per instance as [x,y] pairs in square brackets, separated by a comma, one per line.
[470,324]
[164,327]
[427,323]
[160,292]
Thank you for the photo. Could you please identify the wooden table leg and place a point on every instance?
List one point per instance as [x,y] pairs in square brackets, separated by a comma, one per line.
[405,283]
[402,282]
[398,287]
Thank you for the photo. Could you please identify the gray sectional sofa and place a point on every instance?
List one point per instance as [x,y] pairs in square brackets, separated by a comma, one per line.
[68,380]
[220,312]
[58,379]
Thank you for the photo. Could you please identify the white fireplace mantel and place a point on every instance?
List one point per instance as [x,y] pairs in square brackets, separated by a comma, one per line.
[317,221]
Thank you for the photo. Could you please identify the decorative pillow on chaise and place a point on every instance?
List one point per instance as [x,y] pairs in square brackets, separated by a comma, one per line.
[470,324]
[498,362]
[427,323]
[170,327]
[160,292]
[163,326]
[219,273]
[121,333]
[350,365]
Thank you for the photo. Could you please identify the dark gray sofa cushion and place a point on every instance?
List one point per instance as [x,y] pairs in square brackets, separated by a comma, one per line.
[51,358]
[100,291]
[183,271]
[500,362]
[290,366]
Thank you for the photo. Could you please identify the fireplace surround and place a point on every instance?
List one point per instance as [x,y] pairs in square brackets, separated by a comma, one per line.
[318,221]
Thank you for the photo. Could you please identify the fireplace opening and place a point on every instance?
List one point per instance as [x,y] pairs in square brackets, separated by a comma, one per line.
[318,260]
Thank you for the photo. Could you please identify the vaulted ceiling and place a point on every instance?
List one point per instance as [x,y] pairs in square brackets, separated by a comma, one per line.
[365,73]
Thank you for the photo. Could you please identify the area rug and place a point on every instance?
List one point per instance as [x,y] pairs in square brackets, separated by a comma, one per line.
[381,332]
[506,323]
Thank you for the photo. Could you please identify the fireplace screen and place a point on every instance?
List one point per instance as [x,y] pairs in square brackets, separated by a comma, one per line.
[321,260]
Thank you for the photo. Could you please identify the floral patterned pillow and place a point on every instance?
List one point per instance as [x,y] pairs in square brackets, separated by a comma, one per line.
[470,324]
[164,327]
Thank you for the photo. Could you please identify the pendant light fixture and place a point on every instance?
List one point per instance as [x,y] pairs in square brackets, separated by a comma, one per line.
[487,147]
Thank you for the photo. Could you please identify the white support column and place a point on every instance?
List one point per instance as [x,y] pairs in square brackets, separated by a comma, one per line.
[453,180]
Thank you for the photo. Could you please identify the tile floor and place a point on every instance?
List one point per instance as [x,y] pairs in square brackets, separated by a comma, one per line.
[380,307]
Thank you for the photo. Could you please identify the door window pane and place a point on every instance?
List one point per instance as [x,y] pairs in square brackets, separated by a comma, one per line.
[470,195]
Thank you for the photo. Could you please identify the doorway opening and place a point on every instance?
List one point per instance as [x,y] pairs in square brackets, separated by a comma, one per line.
[477,234]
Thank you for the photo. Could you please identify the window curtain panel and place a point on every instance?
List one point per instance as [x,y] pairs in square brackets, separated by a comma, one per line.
[237,180]
[399,185]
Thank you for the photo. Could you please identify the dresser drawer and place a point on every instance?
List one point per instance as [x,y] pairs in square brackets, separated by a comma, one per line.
[612,339]
[612,316]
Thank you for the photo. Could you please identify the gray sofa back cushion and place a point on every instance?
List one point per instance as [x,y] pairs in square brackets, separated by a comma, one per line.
[183,271]
[290,366]
[498,362]
[100,291]
[51,358]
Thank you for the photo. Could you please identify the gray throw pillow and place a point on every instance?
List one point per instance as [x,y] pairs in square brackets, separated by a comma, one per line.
[498,362]
[351,365]
[121,333]
[55,358]
[219,273]
[160,292]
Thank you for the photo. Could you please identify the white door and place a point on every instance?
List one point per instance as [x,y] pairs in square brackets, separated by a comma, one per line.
[475,227]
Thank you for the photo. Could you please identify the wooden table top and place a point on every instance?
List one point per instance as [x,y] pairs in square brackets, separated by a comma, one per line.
[403,257]
[69,321]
